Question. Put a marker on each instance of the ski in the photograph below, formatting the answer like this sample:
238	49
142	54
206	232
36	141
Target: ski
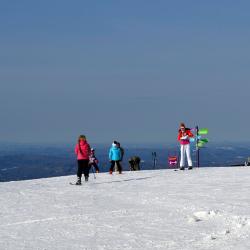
71	183
183	169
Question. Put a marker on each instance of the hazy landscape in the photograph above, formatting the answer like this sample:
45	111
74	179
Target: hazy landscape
30	161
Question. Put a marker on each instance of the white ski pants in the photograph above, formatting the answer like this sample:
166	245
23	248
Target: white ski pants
185	149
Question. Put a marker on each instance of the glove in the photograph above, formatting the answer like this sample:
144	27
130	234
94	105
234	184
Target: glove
184	137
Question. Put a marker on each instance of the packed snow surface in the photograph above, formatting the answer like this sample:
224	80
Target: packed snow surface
206	208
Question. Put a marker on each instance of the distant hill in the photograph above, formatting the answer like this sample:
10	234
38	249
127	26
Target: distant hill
21	162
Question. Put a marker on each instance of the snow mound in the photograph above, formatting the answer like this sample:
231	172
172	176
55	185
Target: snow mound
203	215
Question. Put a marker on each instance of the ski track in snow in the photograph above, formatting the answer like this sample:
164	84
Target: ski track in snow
163	209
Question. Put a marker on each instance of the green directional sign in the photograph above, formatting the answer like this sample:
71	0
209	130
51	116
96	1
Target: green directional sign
203	131
204	140
200	144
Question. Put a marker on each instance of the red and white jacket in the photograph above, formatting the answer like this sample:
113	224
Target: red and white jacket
183	137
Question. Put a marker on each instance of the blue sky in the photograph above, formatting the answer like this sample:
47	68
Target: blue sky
125	70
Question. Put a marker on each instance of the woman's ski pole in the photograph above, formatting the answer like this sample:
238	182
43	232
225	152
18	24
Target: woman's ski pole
93	172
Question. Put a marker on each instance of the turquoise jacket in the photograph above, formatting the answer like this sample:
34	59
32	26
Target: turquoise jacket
115	154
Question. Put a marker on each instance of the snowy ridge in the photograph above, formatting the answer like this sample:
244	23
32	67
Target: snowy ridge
207	208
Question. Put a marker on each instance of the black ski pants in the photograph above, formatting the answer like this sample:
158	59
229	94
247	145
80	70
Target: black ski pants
118	166
83	167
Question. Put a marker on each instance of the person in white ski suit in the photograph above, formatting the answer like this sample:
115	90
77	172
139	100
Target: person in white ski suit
183	137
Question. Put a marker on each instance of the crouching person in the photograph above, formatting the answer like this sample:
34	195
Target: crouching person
134	163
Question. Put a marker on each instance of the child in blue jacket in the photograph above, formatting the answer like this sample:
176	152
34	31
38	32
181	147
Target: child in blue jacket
115	156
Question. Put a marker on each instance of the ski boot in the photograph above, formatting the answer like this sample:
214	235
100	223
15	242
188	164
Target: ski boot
182	168
86	178
78	182
190	167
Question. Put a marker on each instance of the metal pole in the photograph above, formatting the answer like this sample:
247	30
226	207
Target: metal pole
197	148
154	159
93	171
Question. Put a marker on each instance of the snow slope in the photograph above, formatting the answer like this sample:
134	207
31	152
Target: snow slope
207	208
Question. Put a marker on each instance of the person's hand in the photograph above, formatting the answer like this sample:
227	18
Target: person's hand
184	137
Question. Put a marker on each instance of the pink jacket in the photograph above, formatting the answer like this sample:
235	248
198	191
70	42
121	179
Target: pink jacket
186	133
84	153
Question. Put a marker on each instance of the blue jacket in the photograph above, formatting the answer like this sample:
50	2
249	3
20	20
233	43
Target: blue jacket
115	154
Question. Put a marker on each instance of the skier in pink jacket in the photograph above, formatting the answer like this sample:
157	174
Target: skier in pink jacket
82	151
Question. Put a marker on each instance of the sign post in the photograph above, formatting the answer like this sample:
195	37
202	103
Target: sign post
200	142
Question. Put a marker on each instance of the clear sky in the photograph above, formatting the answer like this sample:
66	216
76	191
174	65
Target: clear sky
127	70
